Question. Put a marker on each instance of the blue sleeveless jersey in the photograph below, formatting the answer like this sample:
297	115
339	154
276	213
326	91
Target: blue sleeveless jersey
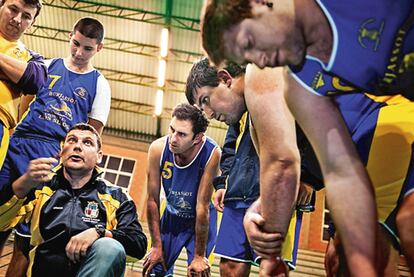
367	38
66	99
181	183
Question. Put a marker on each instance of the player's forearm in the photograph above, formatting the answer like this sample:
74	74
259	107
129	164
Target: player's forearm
153	217
201	230
12	68
278	189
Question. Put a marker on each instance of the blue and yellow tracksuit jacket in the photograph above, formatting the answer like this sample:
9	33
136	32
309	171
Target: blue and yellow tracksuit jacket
57	212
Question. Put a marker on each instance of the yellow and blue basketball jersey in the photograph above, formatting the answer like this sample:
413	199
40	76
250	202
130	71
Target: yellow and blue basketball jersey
65	100
368	37
177	226
382	129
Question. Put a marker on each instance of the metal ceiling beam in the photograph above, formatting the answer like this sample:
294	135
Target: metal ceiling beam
131	47
141	80
145	109
151	17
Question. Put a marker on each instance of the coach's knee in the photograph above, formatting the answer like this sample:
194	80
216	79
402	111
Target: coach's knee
108	248
108	252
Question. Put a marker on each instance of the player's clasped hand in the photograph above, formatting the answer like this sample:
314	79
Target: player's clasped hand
199	267
265	244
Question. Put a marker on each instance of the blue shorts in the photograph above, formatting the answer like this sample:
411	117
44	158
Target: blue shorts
21	151
232	241
177	233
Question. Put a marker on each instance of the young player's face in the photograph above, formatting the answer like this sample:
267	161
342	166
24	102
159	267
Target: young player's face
80	151
82	48
15	18
266	40
181	136
220	103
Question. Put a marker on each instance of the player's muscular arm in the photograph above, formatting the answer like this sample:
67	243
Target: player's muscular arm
275	139
12	68
153	204
345	178
202	209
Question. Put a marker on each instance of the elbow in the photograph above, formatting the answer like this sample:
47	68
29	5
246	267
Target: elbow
139	248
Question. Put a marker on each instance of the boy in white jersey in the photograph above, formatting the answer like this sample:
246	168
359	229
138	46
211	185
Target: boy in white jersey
75	92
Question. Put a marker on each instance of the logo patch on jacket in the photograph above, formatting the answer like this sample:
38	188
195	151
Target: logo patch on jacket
91	212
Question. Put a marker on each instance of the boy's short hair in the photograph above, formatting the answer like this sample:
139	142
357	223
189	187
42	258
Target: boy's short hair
90	27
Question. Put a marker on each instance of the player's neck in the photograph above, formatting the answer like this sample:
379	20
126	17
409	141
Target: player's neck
78	68
188	156
317	31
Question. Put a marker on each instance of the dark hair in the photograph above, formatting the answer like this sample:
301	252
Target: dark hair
91	28
192	113
87	127
35	3
203	74
218	16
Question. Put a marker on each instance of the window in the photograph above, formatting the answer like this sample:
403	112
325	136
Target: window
118	170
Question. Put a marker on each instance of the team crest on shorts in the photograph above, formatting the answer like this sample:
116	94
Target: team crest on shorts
92	210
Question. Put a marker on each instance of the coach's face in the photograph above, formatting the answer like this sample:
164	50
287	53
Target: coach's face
80	151
223	102
15	17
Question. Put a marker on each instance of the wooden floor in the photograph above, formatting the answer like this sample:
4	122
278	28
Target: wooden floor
309	264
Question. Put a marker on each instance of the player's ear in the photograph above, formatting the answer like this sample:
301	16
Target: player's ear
100	46
225	77
100	155
198	138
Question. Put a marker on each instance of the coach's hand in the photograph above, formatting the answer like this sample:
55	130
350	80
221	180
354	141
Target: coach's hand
265	244
199	267
154	257
218	199
78	245
38	171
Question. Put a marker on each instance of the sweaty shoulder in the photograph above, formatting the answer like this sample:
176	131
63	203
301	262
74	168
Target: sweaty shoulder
157	146
263	80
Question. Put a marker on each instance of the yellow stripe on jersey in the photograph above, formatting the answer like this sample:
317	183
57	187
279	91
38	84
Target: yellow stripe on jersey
111	205
8	212
42	196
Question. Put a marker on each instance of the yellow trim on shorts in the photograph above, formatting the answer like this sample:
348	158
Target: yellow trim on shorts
289	243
